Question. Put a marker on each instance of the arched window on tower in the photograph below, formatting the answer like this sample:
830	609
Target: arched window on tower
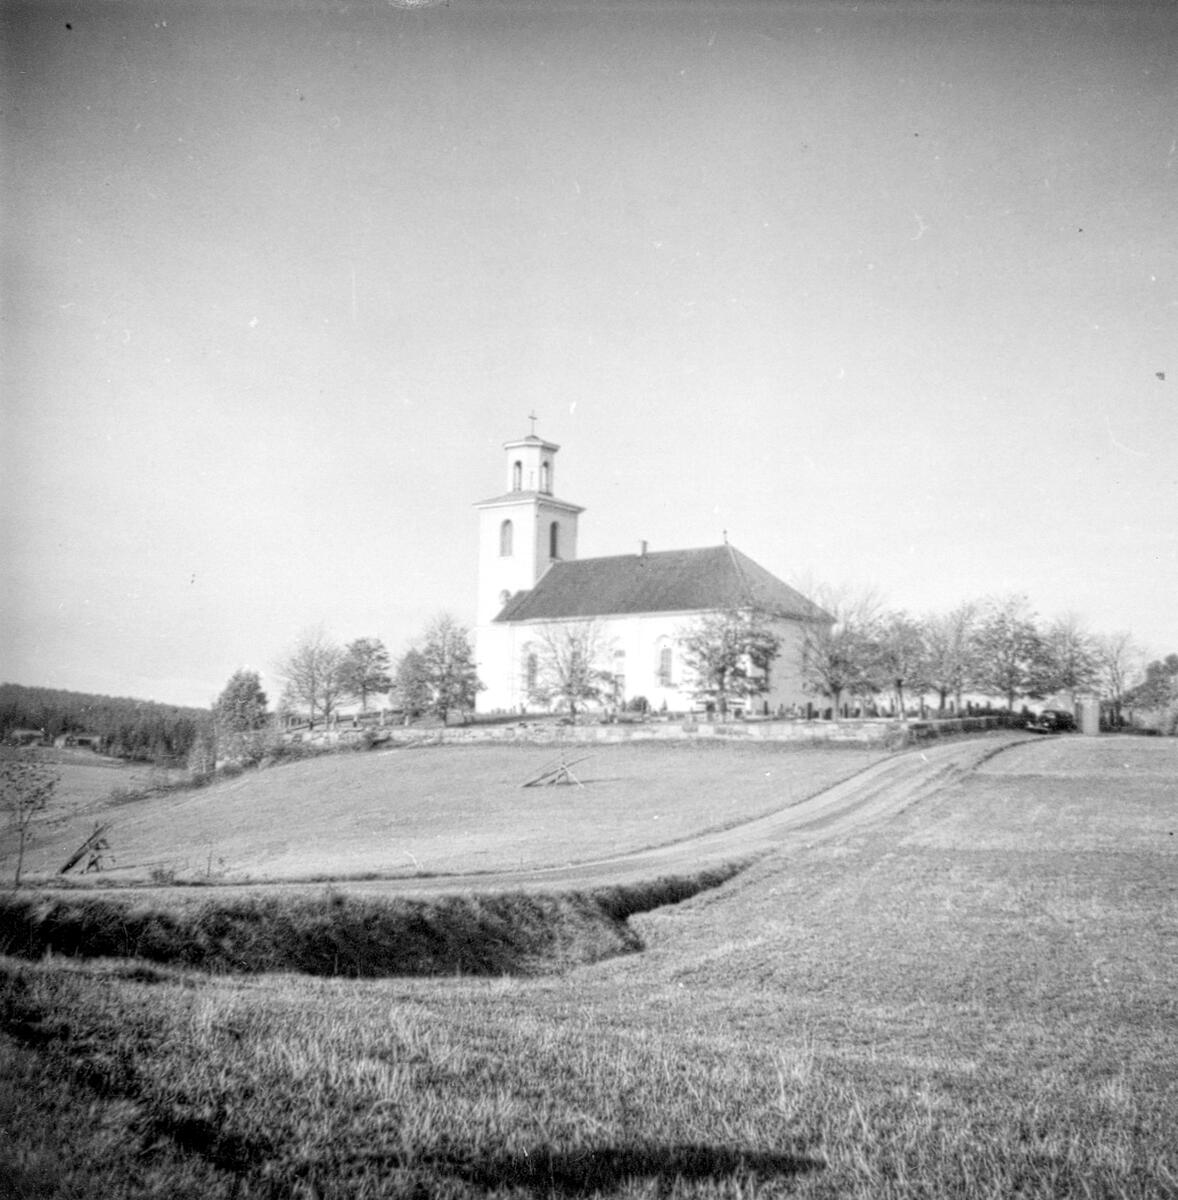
554	540
545	477
505	540
517	476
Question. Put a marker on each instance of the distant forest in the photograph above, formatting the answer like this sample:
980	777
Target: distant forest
134	729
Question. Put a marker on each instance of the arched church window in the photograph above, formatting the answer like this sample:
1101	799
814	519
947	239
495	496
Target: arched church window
517	476
554	540
545	477
531	668
505	540
664	666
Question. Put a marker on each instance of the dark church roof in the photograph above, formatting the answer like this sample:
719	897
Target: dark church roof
668	581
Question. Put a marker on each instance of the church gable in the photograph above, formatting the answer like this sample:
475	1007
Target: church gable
717	577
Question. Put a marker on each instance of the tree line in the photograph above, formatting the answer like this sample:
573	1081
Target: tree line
996	646
869	658
141	730
435	676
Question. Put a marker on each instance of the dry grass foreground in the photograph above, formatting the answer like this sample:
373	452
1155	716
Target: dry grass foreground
974	999
437	810
529	921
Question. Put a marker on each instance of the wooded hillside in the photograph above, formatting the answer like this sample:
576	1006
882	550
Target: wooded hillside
136	729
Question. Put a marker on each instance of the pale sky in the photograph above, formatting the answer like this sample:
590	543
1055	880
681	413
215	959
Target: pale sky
882	290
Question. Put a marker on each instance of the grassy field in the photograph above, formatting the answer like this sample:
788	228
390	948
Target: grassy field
441	809
86	780
976	999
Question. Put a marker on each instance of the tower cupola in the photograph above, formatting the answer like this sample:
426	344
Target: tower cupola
524	530
529	465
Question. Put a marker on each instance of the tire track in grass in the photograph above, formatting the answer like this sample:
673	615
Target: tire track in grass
866	798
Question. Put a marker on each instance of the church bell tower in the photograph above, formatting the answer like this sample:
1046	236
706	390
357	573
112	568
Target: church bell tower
525	529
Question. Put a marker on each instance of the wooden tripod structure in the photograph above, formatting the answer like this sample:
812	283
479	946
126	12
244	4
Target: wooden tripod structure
95	844
558	772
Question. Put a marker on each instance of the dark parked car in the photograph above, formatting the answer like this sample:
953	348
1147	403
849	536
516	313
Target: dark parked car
1052	720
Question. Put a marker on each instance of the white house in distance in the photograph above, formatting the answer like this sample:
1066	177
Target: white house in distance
530	577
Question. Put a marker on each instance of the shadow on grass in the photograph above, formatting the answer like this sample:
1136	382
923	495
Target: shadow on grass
579	1173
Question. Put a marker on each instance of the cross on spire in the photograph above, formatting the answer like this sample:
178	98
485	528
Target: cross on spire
533	418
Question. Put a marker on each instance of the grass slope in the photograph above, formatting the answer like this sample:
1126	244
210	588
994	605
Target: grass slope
336	934
975	1000
443	809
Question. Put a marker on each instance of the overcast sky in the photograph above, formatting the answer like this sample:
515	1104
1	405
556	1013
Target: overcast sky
885	291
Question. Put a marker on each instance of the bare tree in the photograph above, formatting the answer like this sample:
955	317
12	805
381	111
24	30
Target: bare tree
570	665
900	661
313	676
1118	660
950	641
26	786
838	657
729	654
1069	657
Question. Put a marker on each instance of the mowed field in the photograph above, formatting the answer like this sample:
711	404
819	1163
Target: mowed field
974	997
438	810
86	778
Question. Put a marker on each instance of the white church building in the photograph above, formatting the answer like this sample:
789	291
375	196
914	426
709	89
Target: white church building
530	579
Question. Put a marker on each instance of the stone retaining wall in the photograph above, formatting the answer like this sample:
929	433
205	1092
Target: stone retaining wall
867	731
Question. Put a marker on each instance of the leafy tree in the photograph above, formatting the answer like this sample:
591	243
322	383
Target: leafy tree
1069	657
312	674
1010	656
410	684
901	657
949	640
26	786
240	720
838	656
449	668
365	670
729	655
1159	689
241	707
570	670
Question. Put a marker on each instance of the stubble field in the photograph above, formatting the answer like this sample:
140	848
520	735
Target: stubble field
433	810
973	998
